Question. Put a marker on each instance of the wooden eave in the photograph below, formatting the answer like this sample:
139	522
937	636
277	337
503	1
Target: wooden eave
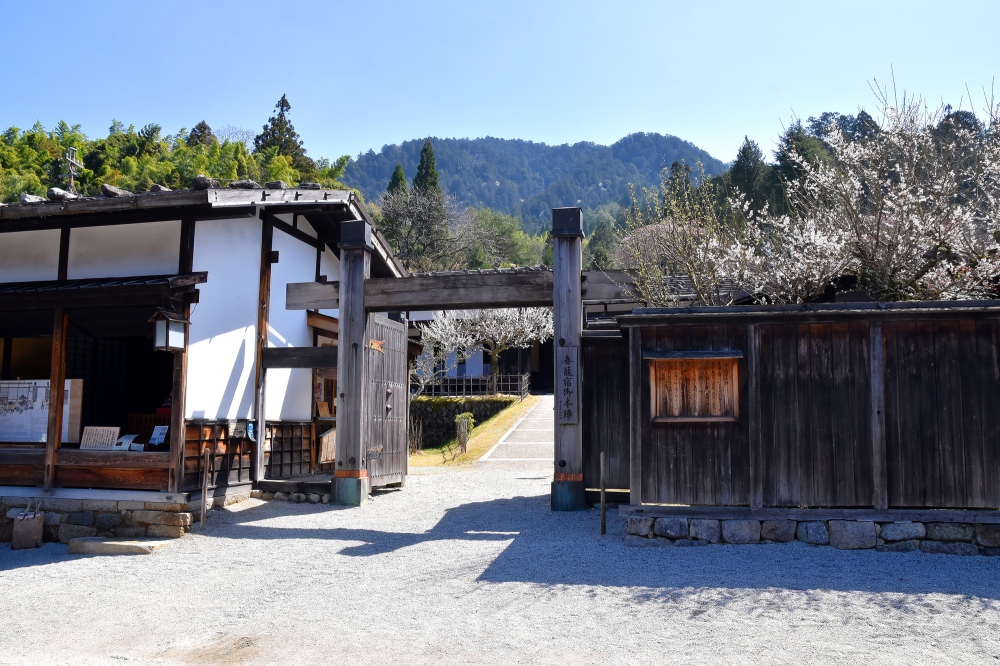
329	326
99	292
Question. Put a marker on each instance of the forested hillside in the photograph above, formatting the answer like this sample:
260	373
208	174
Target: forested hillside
527	179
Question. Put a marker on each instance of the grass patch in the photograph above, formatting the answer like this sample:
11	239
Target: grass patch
482	438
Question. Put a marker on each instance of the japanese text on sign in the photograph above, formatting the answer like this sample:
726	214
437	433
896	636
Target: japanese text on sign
567	385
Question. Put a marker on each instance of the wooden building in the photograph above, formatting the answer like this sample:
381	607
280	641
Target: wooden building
251	380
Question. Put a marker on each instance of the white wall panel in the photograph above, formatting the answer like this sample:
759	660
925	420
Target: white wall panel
222	345
28	256
288	394
150	248
329	265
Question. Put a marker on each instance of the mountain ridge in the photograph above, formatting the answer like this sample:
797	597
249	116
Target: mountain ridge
526	178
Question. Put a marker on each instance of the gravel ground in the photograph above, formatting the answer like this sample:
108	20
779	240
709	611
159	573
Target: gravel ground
470	566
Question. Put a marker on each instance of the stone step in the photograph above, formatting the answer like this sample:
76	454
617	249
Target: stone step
107	546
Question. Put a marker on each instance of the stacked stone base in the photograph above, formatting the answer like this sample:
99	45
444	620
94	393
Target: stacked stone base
897	537
311	498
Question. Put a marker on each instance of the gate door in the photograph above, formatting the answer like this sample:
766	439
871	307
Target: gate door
388	402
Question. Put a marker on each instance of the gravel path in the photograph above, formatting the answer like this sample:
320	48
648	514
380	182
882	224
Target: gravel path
470	566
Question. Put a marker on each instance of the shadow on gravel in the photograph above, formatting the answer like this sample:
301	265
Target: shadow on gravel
553	549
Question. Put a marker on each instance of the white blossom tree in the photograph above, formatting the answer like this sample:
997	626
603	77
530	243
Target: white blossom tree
447	342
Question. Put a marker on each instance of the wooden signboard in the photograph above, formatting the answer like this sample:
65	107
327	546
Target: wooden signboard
98	437
567	385
694	389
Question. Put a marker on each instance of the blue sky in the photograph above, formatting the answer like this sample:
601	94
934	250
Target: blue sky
360	75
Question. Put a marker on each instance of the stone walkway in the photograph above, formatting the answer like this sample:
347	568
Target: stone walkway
529	444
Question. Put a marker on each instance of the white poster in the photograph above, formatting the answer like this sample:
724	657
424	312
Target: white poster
24	410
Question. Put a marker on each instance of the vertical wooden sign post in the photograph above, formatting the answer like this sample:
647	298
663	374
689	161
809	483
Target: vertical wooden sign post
568	493
350	477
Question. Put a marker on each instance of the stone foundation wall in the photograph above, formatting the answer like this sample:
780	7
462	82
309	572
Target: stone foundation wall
437	414
311	498
899	537
67	519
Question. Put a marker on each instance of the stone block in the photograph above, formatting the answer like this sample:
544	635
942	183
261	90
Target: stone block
949	548
704	530
129	532
14	512
168	531
103	546
949	531
686	543
99	505
672	528
107	522
234	498
903	531
777	530
325	499
6	532
283	497
85	518
53	518
69	531
812	531
852	534
161	518
256	494
297	497
313	498
174	507
988	535
63	504
131	505
639	525
990	552
16	501
267	496
899	547
741	531
50	534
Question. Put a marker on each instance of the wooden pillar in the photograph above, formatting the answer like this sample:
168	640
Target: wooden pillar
880	487
350	477
178	430
568	492
753	418
260	376
635	384
57	381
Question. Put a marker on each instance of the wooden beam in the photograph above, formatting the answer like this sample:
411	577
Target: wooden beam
635	381
185	263
329	326
63	269
680	355
312	296
460	291
57	378
880	486
607	286
299	357
113	459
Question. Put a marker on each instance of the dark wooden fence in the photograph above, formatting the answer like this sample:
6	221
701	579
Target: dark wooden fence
507	384
869	406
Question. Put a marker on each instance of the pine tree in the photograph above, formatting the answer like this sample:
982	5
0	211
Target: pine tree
398	181
427	175
279	133
749	174
201	133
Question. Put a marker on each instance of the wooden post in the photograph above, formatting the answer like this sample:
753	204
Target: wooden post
178	431
635	384
350	478
57	385
753	418
568	490
263	303
880	485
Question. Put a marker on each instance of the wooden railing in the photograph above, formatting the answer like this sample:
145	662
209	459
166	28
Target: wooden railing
508	384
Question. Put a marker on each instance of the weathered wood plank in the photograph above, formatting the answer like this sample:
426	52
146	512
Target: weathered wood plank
988	356
312	296
299	357
635	435
753	411
111	459
120	478
880	493
461	291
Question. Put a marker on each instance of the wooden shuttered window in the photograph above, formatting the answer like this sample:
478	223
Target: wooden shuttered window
690	387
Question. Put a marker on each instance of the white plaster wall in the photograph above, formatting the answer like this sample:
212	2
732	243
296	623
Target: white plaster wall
222	343
28	256
121	250
288	391
474	365
329	265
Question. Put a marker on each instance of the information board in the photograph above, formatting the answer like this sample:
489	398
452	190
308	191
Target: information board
24	410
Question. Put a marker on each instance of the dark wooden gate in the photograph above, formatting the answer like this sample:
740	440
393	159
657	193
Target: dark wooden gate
388	402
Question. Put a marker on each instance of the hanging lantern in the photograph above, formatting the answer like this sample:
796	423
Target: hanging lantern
169	328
